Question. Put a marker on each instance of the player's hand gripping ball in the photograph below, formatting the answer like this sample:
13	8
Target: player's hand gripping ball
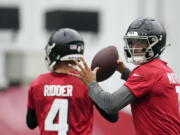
106	60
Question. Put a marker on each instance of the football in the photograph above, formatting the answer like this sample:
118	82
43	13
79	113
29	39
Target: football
106	60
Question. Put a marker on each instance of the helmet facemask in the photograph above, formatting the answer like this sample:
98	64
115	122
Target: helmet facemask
139	49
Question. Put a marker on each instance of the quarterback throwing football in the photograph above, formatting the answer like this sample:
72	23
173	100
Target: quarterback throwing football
150	88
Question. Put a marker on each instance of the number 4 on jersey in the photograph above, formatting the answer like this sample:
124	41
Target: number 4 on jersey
60	107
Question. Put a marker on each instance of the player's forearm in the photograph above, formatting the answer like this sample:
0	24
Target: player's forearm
125	74
31	119
110	117
110	103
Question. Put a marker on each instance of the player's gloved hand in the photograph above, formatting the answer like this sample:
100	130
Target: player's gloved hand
121	66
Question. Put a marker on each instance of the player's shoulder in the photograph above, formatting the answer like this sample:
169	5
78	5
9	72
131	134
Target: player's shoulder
75	80
40	79
150	69
153	65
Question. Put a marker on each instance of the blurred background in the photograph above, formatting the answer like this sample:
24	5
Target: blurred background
25	26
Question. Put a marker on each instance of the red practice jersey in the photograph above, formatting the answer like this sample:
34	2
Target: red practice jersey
62	105
155	110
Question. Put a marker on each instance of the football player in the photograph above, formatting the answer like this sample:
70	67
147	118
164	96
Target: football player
150	88
58	103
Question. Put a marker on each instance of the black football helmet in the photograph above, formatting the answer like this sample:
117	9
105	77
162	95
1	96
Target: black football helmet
64	44
146	31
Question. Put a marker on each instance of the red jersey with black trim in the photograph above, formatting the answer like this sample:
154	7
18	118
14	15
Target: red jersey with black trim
62	105
155	110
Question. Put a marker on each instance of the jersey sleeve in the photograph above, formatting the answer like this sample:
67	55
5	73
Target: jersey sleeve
30	98
140	82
